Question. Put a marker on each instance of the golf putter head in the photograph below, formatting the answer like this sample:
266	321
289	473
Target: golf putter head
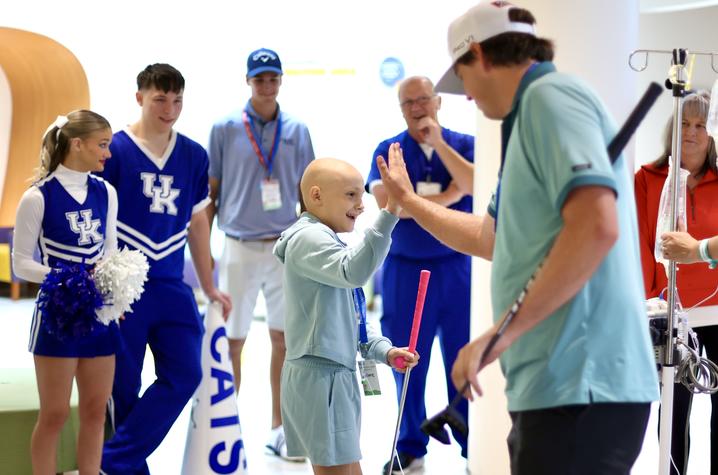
434	427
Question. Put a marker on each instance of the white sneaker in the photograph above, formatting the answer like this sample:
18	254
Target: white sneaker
277	445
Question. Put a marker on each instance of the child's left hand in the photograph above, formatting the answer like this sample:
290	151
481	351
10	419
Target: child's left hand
410	359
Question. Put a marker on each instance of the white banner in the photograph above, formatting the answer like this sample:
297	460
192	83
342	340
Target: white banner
214	438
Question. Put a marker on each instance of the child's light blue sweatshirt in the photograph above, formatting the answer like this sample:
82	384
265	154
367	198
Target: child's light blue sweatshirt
320	273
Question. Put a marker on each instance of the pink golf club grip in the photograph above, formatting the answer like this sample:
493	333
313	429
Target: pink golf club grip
418	310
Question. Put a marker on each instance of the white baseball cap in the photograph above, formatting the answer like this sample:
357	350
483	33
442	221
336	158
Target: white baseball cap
479	23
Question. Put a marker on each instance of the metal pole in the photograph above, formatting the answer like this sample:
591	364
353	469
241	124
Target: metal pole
666	417
398	420
668	369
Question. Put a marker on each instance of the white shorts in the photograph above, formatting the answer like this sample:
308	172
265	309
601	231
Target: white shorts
246	268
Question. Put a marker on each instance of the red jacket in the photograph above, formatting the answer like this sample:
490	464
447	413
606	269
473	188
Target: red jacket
695	281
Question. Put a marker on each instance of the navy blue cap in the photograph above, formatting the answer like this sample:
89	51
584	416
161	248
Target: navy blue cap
263	60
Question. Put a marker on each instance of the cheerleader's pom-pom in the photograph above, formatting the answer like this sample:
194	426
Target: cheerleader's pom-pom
68	300
121	278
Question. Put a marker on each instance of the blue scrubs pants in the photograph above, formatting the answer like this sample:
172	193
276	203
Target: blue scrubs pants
446	315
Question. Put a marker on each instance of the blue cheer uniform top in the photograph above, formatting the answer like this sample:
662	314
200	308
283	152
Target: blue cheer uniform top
158	198
69	217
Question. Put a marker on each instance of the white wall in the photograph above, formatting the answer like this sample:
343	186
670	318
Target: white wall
209	42
693	29
347	114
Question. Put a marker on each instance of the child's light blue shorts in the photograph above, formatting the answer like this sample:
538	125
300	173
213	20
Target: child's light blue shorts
321	411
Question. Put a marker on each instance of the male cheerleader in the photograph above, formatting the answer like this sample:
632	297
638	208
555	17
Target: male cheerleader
162	187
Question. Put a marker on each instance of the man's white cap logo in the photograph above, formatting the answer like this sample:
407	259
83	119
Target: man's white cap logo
479	23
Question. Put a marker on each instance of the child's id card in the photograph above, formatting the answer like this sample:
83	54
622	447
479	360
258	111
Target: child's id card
369	377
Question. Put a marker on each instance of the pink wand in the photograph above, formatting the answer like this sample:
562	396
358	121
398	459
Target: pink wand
418	310
401	363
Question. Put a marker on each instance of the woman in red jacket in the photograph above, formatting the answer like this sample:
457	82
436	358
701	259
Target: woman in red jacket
695	281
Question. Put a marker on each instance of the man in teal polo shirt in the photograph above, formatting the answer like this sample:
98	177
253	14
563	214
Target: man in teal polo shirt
577	356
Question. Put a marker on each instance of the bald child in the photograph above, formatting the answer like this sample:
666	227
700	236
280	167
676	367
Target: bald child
325	316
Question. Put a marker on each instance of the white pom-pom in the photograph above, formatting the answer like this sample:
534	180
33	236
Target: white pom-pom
120	277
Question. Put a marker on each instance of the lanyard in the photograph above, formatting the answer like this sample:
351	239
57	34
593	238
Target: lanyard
427	167
426	163
534	72
360	309
266	161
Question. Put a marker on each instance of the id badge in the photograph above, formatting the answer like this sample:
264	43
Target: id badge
427	188
369	377
271	195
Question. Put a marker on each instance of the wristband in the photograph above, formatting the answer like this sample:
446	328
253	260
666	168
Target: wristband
705	254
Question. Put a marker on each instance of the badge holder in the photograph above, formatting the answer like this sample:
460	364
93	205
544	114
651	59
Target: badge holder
428	188
369	377
367	368
271	194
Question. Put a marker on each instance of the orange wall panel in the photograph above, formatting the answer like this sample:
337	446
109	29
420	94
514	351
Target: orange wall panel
45	80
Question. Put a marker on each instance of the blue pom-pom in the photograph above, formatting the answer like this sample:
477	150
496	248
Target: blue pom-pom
68	300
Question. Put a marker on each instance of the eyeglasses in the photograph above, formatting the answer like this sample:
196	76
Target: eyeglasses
420	101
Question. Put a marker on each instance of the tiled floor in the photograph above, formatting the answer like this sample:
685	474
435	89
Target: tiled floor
378	422
379	414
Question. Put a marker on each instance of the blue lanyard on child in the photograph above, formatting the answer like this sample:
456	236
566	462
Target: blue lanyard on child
360	309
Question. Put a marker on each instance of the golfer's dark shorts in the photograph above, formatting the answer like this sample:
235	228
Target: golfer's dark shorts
593	439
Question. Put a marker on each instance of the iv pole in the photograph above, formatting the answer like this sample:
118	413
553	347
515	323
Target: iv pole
671	357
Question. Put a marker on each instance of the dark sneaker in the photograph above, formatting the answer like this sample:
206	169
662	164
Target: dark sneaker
409	464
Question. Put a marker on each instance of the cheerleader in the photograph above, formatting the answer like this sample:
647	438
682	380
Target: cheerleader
70	216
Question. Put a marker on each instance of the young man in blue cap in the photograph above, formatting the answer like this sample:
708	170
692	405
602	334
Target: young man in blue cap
257	156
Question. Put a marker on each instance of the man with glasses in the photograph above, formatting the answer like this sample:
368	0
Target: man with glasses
256	159
439	163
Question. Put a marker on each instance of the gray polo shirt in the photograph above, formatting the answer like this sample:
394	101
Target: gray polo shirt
233	161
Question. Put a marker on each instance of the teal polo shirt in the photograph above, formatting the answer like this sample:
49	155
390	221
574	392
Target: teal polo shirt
596	347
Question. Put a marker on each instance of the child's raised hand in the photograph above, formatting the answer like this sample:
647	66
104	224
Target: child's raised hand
410	359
